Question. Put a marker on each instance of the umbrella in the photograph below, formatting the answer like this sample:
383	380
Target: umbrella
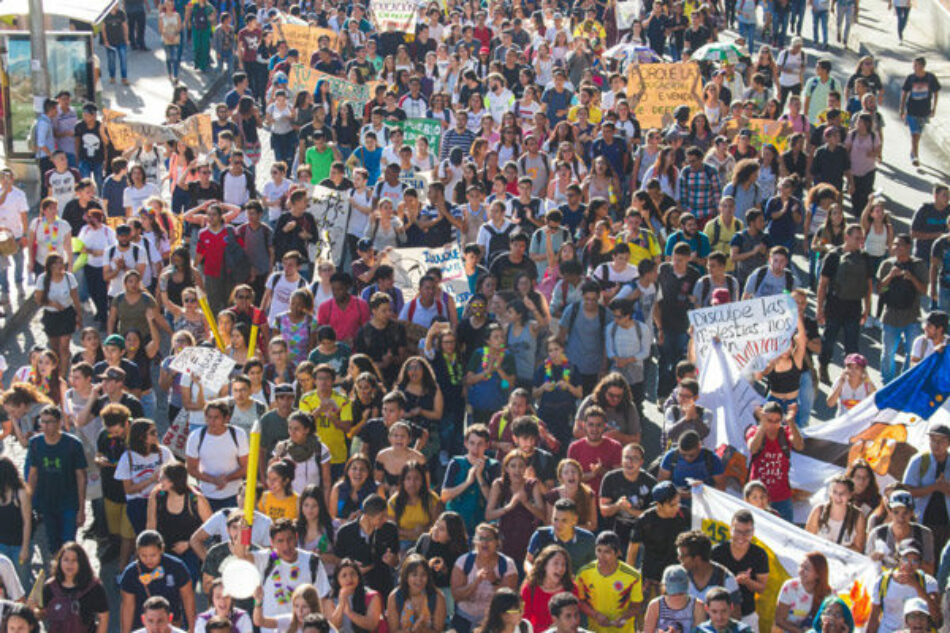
627	52
717	52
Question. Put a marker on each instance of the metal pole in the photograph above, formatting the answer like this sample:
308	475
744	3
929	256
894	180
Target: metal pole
38	62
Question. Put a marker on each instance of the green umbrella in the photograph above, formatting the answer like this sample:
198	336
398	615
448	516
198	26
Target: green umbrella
717	52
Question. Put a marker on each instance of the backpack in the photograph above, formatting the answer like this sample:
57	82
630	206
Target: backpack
760	279
840	288
439	308
499	242
782	442
236	262
572	317
301	283
900	293
470	563
886	581
736	224
706	287
204	431
135	253
708	458
431	599
63	612
784	61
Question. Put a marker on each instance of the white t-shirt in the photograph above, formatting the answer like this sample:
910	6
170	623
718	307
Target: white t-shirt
135	198
798	600
284	577
629	273
171	629
358	220
219	455
274	191
281	288
137	468
892	618
10	580
58	291
217	526
132	256
196	418
153	257
97	240
10	211
921	348
51	237
242	625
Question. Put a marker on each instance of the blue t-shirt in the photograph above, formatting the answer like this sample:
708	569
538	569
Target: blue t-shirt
704	468
370	160
165	580
782	231
56	466
585	340
556	101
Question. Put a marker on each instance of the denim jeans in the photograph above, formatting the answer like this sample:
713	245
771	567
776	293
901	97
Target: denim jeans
779	24
819	19
852	333
785	509
60	527
173	59
90	169
137	511
136	28
903	13
226	59
149	404
122	50
943	300
98	290
18	275
284	146
672	351
796	15
845	18
222	504
892	338
747	30
806	399
23	572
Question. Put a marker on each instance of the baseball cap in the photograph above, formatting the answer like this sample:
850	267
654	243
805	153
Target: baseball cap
283	389
115	339
663	491
916	605
939	428
675	579
908	546
720	296
364	245
856	359
123	229
939	318
900	498
113	373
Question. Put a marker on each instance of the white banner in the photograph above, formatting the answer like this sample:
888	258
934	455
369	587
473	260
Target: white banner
398	14
412	263
731	399
331	211
209	365
419	181
752	332
627	12
786	545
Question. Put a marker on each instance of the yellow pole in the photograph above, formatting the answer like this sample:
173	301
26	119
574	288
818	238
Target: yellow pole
209	317
250	487
252	344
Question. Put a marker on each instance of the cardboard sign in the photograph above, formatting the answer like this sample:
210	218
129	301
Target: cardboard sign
206	364
752	332
396	15
306	39
305	78
627	12
658	88
195	131
429	128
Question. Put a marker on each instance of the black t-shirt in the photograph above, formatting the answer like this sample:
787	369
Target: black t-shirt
755	560
920	91
374	342
674	296
89	142
350	543
830	165
471	338
307	131
506	270
74	214
375	436
91	604
112	449
127	399
133	378
928	219
521	210
615	486
199	194
936	511
658	539
114	26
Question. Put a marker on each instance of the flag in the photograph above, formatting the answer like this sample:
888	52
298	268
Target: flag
850	574
886	429
732	401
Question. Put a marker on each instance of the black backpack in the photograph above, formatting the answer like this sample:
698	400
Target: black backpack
499	242
760	279
204	432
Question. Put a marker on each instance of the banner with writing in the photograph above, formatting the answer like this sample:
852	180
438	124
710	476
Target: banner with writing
396	15
306	39
752	332
658	88
124	133
331	210
305	78
419	181
764	131
627	12
411	264
207	364
429	128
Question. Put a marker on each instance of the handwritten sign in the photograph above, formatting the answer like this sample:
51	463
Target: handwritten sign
331	211
752	332
121	135
207	364
429	128
419	181
124	133
659	88
627	12
396	15
305	78
764	131
411	264
306	39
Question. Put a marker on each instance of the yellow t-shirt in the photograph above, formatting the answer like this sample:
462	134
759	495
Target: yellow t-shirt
726	234
414	515
329	434
611	595
643	246
275	508
594	114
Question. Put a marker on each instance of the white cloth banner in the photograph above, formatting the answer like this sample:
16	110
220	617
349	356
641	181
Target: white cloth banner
627	12
752	332
731	399
331	210
398	14
209	365
412	263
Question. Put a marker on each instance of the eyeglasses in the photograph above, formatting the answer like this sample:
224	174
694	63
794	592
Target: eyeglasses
153	432
190	300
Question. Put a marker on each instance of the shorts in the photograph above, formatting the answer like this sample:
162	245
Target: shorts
59	323
117	520
916	123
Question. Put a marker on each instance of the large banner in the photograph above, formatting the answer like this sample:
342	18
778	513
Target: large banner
627	12
658	88
412	263
124	133
850	574
752	332
209	365
398	14
306	39
331	210
303	77
429	128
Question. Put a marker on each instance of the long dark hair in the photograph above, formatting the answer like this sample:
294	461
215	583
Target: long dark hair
458	536
177	475
84	576
613	379
11	482
428	376
503	601
402	497
55	392
138	437
51	260
851	513
185	255
538	571
413	562
870	495
313	491
359	594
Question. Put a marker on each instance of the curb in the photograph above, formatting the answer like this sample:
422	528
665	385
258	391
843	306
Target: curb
21	316
212	90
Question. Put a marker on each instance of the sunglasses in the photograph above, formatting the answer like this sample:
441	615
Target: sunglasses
242	296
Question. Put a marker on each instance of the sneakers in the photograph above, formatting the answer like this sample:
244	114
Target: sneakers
914	160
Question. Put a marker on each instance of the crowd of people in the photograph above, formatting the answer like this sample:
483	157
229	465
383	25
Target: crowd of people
481	461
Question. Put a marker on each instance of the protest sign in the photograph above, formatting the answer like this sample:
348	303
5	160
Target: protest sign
206	364
411	264
659	88
303	77
764	131
429	128
850	574
331	211
306	39
397	15
124	133
752	332
121	135
419	181
627	12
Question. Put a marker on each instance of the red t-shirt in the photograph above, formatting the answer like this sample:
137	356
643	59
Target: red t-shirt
608	452
536	609
344	322
211	249
771	465
251	41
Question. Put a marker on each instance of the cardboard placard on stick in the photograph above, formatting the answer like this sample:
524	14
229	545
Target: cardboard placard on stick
659	88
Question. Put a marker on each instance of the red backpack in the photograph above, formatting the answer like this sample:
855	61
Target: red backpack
63	614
